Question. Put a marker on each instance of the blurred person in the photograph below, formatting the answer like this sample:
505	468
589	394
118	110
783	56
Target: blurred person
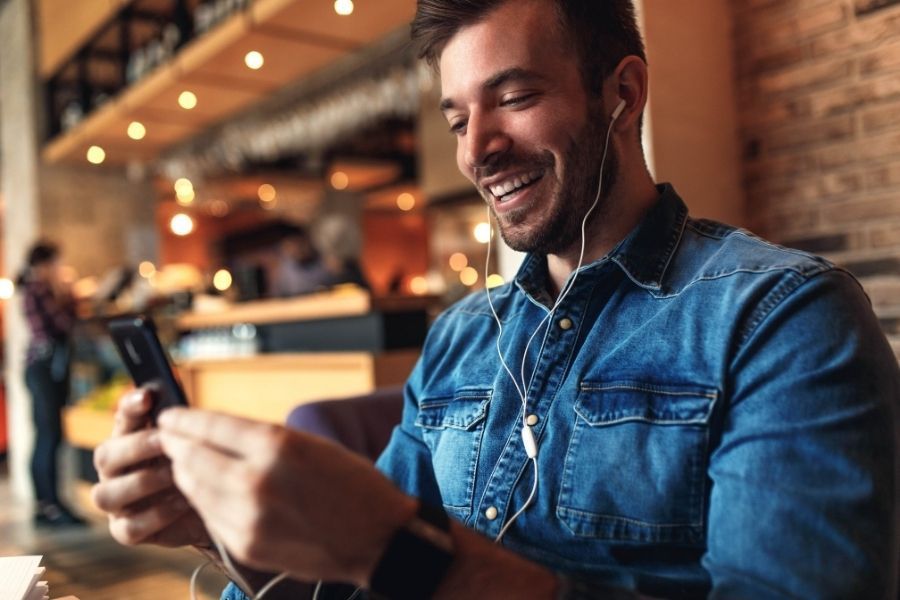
701	413
50	314
338	238
300	268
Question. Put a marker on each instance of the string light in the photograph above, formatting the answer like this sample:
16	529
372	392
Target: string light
343	7
181	225
187	100
482	233
254	60
96	155
222	280
458	261
406	201
136	130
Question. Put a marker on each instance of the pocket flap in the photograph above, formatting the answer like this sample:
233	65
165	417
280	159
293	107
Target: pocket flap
463	411
619	401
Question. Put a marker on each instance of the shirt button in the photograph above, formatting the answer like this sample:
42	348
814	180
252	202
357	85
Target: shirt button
532	420
565	324
491	513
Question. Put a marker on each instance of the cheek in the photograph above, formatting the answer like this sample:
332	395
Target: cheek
461	162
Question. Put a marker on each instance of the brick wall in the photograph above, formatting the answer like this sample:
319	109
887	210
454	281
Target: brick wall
819	99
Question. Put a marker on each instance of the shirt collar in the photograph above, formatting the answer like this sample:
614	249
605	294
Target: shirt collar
644	255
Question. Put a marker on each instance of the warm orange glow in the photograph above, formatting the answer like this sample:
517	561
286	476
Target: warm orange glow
458	261
266	192
340	180
147	269
468	276
418	286
406	201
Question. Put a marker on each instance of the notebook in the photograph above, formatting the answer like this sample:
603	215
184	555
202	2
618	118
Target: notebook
20	578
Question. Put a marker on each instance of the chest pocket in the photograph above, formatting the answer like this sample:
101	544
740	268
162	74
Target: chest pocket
452	428
635	468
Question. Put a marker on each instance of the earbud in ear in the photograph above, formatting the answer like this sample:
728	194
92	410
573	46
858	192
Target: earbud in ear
619	109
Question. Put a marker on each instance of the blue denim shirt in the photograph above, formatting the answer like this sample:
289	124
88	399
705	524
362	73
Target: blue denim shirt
717	417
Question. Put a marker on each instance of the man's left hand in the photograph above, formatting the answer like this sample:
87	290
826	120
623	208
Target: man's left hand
280	500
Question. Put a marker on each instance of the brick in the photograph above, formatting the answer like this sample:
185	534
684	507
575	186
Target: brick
890	325
863	209
884	237
865	151
826	103
864	7
885	57
819	244
776	167
879	119
824	18
774	60
812	133
806	76
882	177
809	190
883	291
873	267
857	36
780	110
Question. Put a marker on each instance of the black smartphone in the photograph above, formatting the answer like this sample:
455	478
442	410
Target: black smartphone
140	349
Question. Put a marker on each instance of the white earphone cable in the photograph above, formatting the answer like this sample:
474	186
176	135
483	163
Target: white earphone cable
526	386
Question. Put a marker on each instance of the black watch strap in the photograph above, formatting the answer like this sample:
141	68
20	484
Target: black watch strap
416	558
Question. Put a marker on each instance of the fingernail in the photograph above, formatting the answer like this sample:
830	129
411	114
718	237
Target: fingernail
135	399
153	440
164	419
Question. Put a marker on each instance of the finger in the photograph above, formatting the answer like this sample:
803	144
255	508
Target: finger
132	412
118	454
116	494
236	435
186	529
203	473
141	526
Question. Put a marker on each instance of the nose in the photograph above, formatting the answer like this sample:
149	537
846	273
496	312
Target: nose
484	141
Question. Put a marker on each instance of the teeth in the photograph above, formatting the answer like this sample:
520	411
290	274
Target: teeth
502	189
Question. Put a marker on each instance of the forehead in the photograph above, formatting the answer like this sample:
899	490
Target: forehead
523	34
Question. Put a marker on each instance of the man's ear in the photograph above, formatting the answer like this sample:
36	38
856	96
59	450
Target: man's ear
629	84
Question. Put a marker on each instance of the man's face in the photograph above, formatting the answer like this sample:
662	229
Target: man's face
528	136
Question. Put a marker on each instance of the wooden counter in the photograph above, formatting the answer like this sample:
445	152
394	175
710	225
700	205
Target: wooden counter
325	305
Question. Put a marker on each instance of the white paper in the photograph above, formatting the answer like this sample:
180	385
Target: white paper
19	578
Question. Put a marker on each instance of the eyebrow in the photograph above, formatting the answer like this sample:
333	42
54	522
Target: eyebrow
497	80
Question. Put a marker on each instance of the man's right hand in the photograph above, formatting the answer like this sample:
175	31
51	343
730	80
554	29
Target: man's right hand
136	488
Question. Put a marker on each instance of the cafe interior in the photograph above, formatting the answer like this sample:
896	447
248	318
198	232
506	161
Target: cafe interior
174	149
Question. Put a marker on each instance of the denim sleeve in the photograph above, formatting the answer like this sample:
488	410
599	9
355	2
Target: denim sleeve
804	489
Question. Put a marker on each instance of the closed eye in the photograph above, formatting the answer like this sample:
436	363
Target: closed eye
458	127
517	100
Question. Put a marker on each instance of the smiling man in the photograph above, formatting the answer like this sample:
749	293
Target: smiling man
657	405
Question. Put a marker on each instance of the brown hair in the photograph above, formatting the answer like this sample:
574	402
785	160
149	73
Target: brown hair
602	32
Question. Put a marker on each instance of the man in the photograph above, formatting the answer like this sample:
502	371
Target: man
700	413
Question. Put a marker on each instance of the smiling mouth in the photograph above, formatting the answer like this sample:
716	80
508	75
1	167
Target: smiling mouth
505	191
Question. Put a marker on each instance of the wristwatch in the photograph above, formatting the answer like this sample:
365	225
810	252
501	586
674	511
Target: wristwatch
416	558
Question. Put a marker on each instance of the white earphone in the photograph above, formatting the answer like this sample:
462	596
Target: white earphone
529	442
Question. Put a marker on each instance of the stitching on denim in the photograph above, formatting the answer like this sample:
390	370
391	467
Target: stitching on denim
589	387
597	517
785	288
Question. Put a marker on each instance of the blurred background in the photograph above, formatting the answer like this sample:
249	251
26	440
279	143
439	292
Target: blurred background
273	182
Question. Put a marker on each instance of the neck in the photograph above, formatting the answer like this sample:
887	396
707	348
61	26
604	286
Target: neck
622	210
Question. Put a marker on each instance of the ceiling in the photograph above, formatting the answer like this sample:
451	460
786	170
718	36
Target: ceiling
296	38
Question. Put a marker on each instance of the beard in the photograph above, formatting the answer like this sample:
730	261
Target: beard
570	201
